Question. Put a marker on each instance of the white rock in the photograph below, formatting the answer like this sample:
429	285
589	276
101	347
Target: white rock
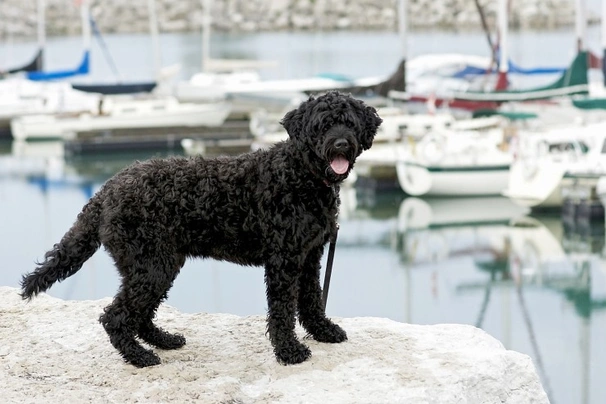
56	351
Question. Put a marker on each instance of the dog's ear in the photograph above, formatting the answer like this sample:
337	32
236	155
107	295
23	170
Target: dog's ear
293	120
370	123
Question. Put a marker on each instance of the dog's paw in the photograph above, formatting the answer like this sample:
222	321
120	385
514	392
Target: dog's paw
172	341
329	332
162	339
143	358
292	354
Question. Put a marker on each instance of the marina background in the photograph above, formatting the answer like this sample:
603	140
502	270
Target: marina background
424	275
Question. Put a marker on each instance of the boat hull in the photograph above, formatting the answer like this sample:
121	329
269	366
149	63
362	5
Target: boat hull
43	127
117	88
419	180
555	198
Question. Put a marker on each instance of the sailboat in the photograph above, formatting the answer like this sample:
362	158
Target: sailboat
433	79
39	91
83	69
36	63
482	87
123	87
573	81
596	99
239	79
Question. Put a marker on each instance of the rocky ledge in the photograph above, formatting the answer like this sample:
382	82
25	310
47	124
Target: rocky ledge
56	351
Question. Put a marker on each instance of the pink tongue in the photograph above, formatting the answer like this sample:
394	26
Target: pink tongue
339	165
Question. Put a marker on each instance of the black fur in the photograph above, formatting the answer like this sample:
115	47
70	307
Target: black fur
274	208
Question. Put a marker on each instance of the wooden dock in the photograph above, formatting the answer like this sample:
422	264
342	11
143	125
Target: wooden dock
233	134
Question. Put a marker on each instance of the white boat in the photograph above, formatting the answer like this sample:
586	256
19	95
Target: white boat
481	168
217	75
442	75
235	78
204	86
425	74
231	78
20	97
394	145
548	162
121	113
379	162
466	158
40	92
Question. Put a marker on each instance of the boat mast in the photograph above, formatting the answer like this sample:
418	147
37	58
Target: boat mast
41	30
603	22
86	24
486	30
402	30
155	36
581	24
206	22
503	29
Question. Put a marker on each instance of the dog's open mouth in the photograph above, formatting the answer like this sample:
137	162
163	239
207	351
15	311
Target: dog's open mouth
339	165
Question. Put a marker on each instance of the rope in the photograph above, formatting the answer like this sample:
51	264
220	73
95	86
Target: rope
104	48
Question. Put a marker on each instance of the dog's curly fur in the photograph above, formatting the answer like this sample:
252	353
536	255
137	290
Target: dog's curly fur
274	208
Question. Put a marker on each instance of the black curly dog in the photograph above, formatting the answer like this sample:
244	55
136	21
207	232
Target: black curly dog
274	208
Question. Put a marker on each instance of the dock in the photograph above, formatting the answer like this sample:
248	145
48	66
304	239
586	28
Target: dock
231	135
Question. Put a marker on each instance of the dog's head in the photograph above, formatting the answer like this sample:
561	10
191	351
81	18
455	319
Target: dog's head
336	128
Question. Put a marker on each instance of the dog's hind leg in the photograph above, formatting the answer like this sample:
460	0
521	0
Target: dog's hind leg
121	323
144	284
312	314
153	334
281	280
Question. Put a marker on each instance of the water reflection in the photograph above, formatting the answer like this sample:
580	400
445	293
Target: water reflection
515	261
535	283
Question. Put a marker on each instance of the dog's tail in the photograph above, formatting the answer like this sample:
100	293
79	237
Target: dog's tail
66	258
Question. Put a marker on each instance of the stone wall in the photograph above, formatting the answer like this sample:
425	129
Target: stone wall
18	17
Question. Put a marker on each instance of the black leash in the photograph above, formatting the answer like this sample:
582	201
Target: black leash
331	256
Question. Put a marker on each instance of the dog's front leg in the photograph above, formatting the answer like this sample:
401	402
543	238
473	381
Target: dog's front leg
312	313
281	280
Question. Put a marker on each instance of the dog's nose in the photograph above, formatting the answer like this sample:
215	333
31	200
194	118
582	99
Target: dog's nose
341	144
